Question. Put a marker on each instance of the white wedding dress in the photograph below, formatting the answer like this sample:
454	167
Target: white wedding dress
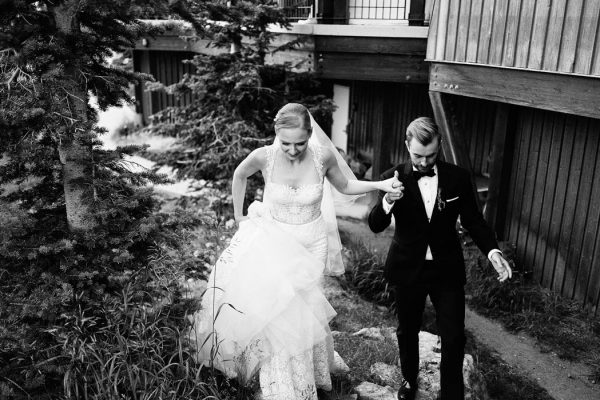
264	309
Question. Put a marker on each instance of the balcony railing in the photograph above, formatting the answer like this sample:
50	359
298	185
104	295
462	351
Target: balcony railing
411	12
297	10
378	9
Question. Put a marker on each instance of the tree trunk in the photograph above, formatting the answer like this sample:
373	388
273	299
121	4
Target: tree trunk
75	157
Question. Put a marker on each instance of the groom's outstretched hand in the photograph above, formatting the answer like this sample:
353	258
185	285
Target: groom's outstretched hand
397	193
501	266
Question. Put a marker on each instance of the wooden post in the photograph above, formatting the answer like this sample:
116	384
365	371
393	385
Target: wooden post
453	146
499	169
380	150
146	96
416	15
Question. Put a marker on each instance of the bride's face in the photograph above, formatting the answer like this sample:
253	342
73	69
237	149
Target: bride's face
293	142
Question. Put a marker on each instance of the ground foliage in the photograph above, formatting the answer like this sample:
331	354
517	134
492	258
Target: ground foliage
560	325
80	307
236	93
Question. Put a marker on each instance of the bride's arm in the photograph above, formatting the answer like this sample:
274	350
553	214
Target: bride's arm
354	186
249	166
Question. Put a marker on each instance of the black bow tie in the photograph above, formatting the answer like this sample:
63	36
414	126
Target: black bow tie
418	174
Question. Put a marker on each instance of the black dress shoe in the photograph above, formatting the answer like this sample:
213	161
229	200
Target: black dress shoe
407	391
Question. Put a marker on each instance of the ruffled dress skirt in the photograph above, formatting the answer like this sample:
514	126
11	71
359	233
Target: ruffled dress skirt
264	310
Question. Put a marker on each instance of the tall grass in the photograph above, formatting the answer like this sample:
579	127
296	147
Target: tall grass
364	273
131	350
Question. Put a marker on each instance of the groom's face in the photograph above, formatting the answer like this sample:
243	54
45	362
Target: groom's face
423	157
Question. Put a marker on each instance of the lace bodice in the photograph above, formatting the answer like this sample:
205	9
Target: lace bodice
294	205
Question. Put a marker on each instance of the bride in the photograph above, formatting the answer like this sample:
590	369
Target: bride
264	310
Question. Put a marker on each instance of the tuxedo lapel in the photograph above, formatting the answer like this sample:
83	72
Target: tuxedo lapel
413	187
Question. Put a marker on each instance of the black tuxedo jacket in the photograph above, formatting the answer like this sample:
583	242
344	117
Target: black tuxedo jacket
414	231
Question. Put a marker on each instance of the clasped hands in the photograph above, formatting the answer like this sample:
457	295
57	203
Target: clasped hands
394	189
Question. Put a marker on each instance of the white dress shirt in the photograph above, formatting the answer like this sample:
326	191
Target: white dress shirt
428	186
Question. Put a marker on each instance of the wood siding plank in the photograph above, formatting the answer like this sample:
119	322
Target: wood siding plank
499	151
588	37
512	32
582	209
432	34
555	233
462	36
553	137
474	30
534	252
554	35
526	23
442	32
452	30
525	180
520	163
498	32
539	34
511	210
588	284
485	37
570	187
570	37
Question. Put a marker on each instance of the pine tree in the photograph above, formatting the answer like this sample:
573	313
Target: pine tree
77	227
235	93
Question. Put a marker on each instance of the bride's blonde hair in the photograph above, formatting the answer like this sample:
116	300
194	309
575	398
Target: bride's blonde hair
293	115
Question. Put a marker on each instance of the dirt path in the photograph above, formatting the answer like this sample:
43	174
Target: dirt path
562	379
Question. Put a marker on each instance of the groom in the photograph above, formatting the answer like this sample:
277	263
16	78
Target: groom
425	256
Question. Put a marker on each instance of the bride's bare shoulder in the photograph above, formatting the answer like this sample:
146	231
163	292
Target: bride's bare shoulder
258	157
327	156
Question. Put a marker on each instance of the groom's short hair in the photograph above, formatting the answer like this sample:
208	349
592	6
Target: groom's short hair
424	130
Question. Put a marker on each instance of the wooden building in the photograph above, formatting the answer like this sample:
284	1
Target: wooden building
531	71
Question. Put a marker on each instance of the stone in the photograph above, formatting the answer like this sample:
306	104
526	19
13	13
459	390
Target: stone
429	370
372	391
385	374
339	365
370	333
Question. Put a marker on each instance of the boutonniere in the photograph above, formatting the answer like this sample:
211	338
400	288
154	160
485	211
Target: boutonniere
441	204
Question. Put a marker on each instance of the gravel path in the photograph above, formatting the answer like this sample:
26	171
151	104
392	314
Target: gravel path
562	379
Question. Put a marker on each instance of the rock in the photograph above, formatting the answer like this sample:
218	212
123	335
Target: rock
370	333
339	365
429	370
386	374
371	391
474	383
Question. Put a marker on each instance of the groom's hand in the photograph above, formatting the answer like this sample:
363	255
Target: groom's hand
501	266
397	193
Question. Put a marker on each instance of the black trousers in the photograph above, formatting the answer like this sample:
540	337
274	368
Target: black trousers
449	304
